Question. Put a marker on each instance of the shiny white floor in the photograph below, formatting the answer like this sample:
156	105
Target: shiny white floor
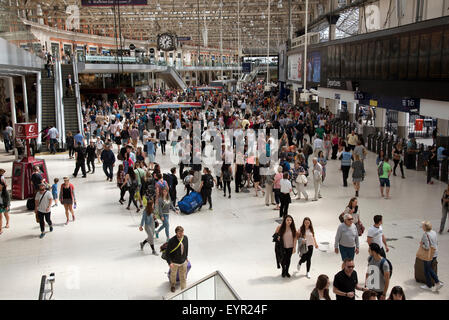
98	256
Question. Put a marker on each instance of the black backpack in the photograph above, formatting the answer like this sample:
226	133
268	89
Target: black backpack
167	177
382	265
209	182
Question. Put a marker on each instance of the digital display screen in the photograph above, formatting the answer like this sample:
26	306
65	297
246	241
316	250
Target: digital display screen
295	66
314	67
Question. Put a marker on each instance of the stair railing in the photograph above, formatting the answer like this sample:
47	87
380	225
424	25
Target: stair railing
59	104
79	113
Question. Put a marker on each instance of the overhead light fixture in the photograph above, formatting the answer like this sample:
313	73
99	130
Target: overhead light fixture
263	15
158	7
280	4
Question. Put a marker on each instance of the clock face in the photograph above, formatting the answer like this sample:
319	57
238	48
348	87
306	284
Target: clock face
165	42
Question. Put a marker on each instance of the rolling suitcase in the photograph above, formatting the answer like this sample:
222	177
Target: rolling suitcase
189	266
190	203
419	270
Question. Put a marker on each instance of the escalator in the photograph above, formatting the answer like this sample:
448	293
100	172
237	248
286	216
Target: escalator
70	103
48	102
172	78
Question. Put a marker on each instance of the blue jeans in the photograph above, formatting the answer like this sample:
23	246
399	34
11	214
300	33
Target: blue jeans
346	252
52	145
429	273
165	225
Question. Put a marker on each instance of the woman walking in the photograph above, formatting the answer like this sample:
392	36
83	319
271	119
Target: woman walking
429	243
257	178
322	160
353	209
334	146
226	176
131	183
398	159
301	181
120	180
148	222
357	173
164	206
277	187
286	233
306	235
5	202
321	291
327	146
286	188
67	198
346	157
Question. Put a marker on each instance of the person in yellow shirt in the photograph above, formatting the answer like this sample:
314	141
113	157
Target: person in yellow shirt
352	140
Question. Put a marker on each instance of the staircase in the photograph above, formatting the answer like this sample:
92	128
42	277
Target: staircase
172	78
48	101
70	108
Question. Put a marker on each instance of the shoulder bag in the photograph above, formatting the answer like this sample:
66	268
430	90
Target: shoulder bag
302	247
426	254
37	215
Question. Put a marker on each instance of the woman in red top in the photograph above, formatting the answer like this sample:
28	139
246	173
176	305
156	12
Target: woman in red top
67	198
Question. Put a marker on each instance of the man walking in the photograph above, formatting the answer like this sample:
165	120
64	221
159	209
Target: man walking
91	155
376	235
108	159
177	252
43	200
80	161
378	273
384	172
53	134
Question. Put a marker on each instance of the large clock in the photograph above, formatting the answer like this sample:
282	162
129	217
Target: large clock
166	42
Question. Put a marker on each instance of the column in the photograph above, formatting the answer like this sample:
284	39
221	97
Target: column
104	83
381	116
352	106
38	108
294	95
403	124
322	102
25	99
443	127
132	80
12	101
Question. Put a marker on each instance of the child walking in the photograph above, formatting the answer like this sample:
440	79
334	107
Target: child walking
54	192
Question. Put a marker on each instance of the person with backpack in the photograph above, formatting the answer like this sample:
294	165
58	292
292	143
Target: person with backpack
177	253
188	180
172	183
91	152
379	272
384	171
226	176
207	183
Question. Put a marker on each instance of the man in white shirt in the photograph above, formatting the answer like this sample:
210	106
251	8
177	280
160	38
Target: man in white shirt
43	201
318	145
53	134
100	145
376	235
317	175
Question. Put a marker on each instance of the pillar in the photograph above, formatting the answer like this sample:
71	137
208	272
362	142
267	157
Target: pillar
322	102
12	101
25	99
104	83
38	108
381	117
443	127
132	80
352	109
403	124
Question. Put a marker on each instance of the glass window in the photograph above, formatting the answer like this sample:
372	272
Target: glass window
371	55
394	56
403	57
378	60
385	58
445	56
423	62
364	61
358	59
344	66
413	57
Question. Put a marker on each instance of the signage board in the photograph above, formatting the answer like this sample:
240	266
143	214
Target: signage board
184	38
167	105
97	3
295	67
246	67
109	59
26	130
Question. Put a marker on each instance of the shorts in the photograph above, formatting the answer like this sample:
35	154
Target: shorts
384	182
118	140
249	168
151	158
67	201
2	210
346	252
55	196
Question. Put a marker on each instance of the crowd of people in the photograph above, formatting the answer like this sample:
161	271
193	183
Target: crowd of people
268	150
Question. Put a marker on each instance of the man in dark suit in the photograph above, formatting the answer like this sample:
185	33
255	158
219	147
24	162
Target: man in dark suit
69	86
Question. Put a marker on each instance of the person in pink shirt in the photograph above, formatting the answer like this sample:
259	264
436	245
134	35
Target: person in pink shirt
277	187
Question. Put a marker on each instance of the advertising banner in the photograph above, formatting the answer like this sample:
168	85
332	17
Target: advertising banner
26	130
167	105
295	66
94	3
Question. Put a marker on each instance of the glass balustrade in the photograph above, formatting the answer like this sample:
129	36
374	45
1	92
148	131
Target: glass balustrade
211	287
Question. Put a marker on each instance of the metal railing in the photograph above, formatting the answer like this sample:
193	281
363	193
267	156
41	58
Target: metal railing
211	287
44	290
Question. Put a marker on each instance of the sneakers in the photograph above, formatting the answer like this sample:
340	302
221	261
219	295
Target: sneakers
425	287
141	245
210	209
42	235
438	286
154	253
229	197
51	228
288	275
308	275
172	289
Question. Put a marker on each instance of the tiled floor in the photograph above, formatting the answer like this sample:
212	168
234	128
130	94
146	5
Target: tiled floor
98	256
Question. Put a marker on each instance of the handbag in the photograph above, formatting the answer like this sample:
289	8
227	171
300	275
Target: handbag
302	247
301	179
426	254
360	228
36	214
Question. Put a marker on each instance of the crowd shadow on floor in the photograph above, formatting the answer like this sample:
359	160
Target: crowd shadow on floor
25	237
157	293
